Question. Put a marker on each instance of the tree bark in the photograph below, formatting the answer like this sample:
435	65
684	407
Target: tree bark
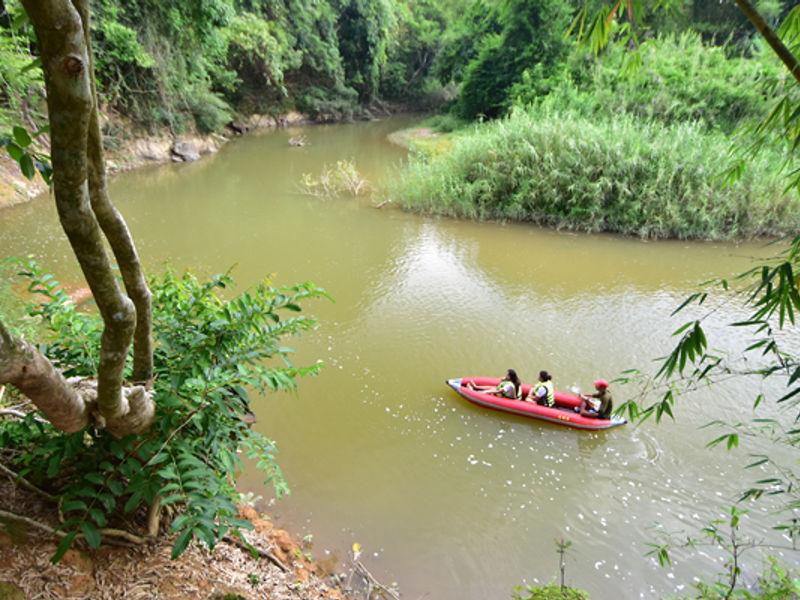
789	59
24	367
70	103
115	228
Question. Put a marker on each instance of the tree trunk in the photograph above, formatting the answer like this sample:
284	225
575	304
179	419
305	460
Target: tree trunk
70	102
116	230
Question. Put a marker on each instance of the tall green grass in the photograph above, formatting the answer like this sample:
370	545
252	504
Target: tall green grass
565	170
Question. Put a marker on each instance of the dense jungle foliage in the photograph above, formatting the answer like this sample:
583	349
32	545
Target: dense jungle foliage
186	65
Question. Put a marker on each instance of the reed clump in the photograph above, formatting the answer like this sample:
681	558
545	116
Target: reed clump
562	169
339	179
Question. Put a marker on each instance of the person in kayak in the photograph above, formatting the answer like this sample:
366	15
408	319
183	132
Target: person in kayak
543	392
509	387
598	405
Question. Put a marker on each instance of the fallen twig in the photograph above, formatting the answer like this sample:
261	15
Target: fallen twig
14	412
108	532
19	479
262	553
372	582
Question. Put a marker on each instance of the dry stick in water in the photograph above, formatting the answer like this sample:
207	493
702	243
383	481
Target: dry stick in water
372	582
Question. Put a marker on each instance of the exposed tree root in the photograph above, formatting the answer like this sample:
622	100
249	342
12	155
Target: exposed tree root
20	480
119	534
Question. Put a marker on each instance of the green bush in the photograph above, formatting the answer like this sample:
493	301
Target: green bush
531	34
153	59
209	349
549	592
412	48
774	583
564	170
260	53
670	80
210	112
445	123
329	105
21	82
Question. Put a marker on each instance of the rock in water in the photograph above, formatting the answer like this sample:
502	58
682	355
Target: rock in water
186	151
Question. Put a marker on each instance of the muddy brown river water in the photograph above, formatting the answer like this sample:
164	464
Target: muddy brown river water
450	500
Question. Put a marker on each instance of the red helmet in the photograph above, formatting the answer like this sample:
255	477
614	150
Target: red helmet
600	384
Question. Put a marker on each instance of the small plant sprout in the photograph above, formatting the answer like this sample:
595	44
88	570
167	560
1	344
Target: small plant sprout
562	546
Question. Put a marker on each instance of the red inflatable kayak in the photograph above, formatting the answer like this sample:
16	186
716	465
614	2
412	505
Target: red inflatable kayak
563	413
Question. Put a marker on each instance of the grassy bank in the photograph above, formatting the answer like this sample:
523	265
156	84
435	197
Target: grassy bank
564	170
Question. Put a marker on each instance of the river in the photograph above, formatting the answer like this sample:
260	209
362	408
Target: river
449	500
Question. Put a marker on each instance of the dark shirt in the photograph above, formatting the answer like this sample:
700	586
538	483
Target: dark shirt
606	404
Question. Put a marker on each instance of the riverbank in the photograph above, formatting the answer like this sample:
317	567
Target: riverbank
129	148
281	568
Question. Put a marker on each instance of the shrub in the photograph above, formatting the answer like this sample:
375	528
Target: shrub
564	170
342	178
670	80
328	105
531	35
445	123
774	583
549	592
260	53
209	349
21	83
210	112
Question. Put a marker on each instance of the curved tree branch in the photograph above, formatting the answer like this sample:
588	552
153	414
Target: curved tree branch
115	229
27	369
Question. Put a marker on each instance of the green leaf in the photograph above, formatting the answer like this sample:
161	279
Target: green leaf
133	502
27	166
22	137
36	63
94	478
791	394
98	516
116	487
63	546
92	535
181	543
72	505
15	151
